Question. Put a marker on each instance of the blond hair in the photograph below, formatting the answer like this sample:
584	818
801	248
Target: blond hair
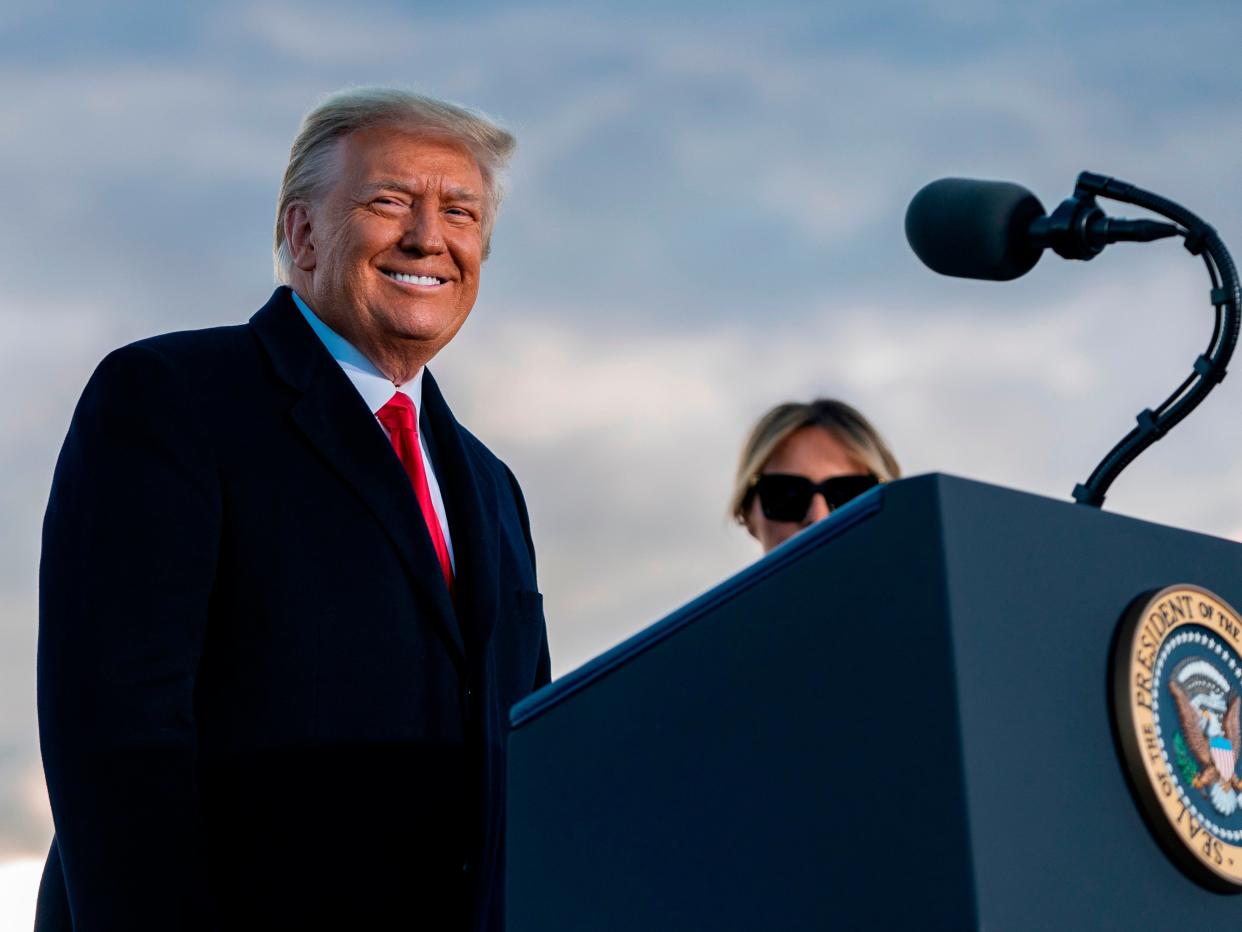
357	108
844	423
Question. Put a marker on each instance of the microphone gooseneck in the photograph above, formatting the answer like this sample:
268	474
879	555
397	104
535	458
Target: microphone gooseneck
997	231
1201	239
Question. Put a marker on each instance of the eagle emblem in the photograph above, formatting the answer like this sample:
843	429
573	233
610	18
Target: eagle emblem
1177	702
1208	711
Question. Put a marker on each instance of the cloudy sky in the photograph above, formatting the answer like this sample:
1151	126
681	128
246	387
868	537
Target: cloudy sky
705	219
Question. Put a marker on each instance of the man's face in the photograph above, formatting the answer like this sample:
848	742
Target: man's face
394	246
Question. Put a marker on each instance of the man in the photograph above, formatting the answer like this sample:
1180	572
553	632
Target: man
286	599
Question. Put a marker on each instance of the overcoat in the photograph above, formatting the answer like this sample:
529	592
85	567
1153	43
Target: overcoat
259	706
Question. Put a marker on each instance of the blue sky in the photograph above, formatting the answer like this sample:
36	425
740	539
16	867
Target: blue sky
704	219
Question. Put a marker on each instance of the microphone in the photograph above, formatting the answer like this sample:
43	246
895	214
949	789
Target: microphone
997	231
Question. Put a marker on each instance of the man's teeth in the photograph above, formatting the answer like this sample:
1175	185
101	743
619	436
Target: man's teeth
414	279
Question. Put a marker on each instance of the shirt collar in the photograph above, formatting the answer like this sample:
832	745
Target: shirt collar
371	384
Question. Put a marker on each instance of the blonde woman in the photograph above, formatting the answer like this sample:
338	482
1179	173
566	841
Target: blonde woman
800	462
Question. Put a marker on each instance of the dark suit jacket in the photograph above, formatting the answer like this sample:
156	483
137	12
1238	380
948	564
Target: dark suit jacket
258	706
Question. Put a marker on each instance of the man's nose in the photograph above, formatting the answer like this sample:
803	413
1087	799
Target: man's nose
817	511
425	232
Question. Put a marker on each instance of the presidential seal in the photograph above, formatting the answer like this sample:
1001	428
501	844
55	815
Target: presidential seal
1177	698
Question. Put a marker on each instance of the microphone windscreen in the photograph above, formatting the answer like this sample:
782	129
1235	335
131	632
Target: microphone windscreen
974	229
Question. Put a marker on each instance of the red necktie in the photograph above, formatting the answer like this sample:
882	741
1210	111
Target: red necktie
401	421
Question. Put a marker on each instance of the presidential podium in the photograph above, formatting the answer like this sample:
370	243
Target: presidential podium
900	719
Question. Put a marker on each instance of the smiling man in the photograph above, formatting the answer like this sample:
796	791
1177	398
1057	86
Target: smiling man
286	599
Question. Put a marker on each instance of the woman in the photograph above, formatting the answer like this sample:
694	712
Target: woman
800	462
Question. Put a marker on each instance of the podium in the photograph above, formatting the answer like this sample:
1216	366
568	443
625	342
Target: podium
901	718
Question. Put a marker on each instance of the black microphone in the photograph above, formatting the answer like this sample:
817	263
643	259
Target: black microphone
997	231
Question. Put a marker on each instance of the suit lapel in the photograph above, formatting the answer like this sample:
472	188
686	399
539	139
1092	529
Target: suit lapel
338	424
470	497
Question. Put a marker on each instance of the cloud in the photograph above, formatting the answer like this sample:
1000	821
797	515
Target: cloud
19	886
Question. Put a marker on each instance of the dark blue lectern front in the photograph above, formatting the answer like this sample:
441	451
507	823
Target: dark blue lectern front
900	719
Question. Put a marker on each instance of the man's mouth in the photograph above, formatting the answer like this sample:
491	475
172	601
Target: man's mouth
414	279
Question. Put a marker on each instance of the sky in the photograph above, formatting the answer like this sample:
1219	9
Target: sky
704	219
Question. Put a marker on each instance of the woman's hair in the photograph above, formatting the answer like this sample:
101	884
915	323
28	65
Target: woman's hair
358	108
844	423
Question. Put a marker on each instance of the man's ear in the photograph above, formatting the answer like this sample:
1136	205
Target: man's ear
299	236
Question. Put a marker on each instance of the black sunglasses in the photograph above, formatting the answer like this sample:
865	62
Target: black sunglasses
786	498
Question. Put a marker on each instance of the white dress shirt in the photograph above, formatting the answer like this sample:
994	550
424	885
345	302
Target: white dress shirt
376	391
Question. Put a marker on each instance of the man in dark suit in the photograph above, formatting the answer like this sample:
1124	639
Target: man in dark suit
286	599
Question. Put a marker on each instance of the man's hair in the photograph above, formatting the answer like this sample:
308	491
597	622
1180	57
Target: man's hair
357	108
841	421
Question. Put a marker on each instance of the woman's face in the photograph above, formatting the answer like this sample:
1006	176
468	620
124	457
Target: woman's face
810	452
